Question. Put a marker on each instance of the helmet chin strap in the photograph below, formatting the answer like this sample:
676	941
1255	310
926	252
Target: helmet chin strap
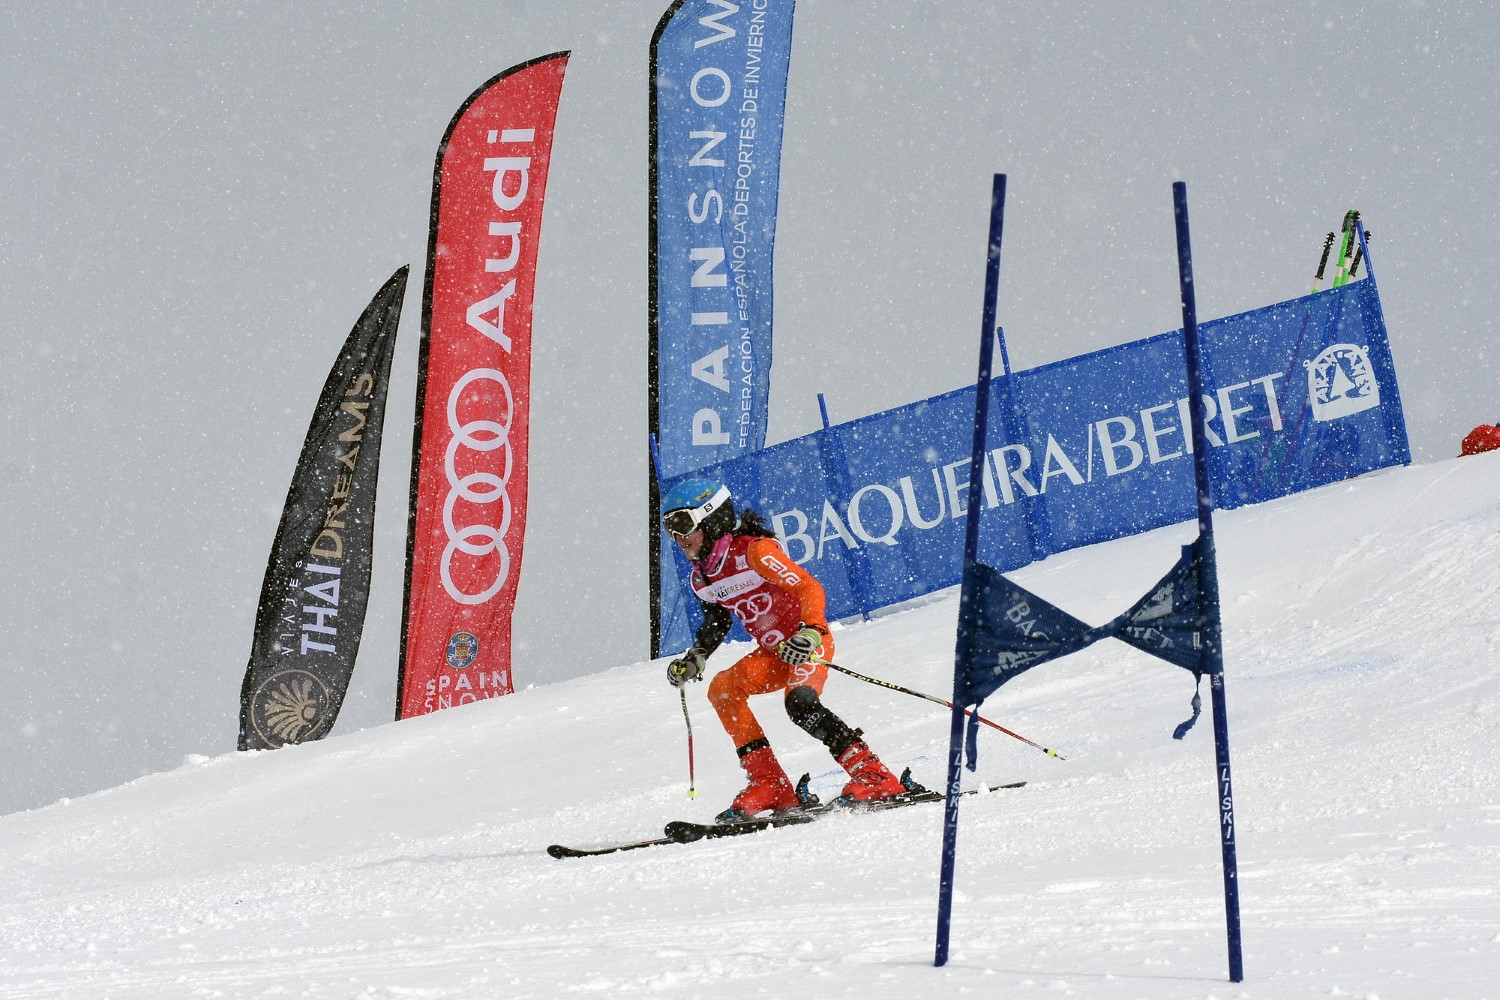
715	557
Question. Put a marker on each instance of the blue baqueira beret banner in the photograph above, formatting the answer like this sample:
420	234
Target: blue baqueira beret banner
1298	395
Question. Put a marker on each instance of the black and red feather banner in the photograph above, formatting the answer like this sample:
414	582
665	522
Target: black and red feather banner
469	466
312	602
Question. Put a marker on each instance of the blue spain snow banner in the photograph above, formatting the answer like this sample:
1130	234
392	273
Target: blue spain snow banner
718	96
1297	395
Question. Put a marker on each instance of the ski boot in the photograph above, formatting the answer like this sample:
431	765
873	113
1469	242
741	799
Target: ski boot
869	779
769	788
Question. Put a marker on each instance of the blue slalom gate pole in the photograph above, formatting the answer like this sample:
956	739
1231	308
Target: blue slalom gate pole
971	555
859	576
1208	581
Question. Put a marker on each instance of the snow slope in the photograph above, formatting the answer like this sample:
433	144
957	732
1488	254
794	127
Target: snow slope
408	860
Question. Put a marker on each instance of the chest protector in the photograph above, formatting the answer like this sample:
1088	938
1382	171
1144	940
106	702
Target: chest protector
768	611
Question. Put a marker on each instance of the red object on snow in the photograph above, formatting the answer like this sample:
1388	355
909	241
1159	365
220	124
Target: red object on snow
1485	437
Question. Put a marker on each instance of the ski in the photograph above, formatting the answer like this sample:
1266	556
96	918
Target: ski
686	832
563	851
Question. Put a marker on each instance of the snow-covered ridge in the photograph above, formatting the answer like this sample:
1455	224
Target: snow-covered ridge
1361	628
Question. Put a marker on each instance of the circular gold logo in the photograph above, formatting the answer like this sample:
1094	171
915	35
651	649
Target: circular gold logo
292	706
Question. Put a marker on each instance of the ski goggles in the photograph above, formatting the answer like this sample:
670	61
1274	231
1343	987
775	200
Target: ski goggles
685	520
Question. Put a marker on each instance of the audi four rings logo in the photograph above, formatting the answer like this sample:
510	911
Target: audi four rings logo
751	608
481	488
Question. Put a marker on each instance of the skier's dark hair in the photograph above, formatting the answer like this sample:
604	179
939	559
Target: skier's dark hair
751	523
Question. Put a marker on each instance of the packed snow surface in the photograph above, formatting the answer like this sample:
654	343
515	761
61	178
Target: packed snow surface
408	860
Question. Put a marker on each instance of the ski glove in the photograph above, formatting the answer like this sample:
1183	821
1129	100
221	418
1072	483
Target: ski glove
801	646
687	667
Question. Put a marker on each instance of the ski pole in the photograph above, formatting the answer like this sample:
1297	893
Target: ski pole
940	701
692	782
1346	247
1359	252
1323	263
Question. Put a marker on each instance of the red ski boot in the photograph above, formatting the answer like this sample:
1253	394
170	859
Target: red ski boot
868	778
769	786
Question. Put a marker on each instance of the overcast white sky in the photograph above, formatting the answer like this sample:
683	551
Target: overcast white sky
198	198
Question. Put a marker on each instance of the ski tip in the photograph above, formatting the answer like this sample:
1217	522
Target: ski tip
563	851
685	833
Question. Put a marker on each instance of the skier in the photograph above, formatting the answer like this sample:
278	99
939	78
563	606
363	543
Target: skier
741	568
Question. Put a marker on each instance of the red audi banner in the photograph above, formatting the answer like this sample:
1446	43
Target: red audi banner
469	476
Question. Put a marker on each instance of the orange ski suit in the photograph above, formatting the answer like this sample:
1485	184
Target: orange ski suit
772	597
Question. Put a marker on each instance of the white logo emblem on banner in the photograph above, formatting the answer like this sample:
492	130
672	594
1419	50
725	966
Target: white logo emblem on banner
1340	381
